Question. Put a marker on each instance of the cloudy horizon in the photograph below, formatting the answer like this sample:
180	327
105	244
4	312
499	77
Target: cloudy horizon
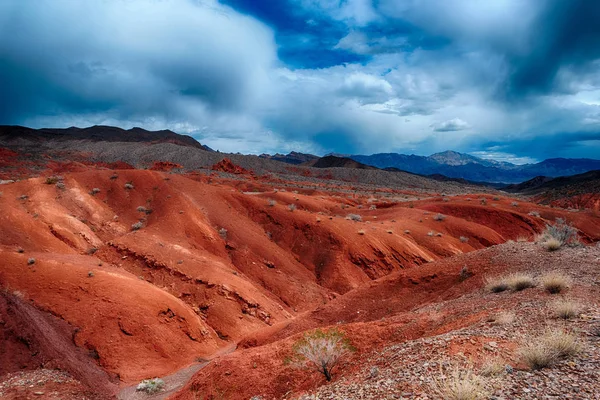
511	80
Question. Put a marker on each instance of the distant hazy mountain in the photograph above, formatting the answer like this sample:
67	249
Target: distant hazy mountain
291	158
336	162
464	166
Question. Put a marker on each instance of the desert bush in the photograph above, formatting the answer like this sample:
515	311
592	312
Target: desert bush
503	318
559	234
520	281
492	367
60	185
271	203
556	282
138	225
223	233
566	309
113	177
534	214
514	204
94	191
52	180
464	239
129	186
430	233
321	351
460	384
373	207
496	284
483	201
354	217
546	350
496	198
291	207
439	217
151	386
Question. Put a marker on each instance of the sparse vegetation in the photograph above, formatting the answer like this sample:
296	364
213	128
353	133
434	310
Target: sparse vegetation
129	186
514	204
271	203
492	367
291	207
534	214
321	351
151	386
546	350
460	384
559	234
52	180
464	239
223	233
556	282
373	207
503	318
60	185
483	201
566	309
430	233
520	281
439	217
138	225
354	217
94	191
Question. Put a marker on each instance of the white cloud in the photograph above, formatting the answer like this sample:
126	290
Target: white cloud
455	124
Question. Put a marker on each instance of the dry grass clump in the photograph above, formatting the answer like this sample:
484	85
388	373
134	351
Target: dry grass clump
464	239
557	235
496	285
566	309
556	282
354	217
520	281
546	350
460	384
439	217
503	318
552	244
492	367
291	207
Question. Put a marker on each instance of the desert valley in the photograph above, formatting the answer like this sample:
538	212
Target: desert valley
143	265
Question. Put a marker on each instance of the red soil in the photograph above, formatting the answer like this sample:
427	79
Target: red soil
226	165
219	261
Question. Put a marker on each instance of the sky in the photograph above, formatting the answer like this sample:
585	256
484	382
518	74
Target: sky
513	80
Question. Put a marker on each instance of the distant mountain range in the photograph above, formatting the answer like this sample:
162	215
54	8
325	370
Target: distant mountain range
456	165
97	133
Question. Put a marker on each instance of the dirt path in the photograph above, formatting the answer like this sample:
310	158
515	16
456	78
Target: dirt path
173	382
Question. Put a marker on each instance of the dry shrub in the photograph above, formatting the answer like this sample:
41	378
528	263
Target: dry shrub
439	217
496	285
520	281
556	282
503	318
464	239
566	309
546	350
460	384
559	234
321	351
492	367
552	244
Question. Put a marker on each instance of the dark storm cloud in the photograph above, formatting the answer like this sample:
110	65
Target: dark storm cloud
512	76
128	58
566	34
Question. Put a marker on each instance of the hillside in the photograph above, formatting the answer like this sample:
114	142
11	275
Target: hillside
577	191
